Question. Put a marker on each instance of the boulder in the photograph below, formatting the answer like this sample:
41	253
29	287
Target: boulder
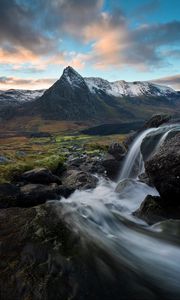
117	150
112	166
40	175
37	256
87	164
163	169
35	194
151	142
9	195
75	179
152	210
156	121
31	194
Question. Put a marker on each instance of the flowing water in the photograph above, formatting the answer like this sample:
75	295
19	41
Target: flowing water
142	261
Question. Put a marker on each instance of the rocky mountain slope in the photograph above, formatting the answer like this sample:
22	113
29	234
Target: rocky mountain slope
75	98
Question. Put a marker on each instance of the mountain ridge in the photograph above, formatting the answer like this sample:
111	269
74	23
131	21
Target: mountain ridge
75	98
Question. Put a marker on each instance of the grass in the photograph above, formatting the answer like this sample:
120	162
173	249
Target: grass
24	153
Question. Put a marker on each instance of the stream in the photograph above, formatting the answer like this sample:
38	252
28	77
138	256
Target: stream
140	261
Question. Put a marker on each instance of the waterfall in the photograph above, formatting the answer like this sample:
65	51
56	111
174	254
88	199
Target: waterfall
133	164
144	259
134	156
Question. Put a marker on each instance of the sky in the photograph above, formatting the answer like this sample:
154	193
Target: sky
117	40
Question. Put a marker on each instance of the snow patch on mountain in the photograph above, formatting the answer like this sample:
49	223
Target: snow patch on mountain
73	77
20	96
132	89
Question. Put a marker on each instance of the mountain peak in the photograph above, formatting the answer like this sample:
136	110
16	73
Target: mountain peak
72	76
69	71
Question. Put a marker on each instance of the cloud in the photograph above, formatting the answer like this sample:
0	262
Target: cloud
21	83
19	27
173	81
116	44
32	34
38	25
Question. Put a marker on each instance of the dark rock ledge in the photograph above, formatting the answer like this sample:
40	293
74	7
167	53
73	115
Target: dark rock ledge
163	171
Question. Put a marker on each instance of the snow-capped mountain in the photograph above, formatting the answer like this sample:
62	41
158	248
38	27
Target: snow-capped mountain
119	88
75	98
130	89
20	96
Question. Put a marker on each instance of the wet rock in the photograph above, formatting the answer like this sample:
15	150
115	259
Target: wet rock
35	194
163	169
156	121
125	185
117	150
9	195
129	139
152	210
143	177
150	143
75	179
93	166
169	229
111	166
87	164
37	255
40	175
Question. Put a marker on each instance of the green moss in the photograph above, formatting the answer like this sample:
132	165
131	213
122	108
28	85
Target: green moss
51	162
9	172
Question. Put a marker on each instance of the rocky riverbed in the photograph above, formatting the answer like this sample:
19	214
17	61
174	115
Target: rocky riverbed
76	234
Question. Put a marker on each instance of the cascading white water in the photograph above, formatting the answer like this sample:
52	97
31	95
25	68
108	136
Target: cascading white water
134	165
133	156
104	217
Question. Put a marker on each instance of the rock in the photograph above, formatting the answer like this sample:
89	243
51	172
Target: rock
143	177
156	121
9	195
43	255
31	194
21	153
112	166
129	139
87	164
4	160
152	210
40	175
169	228
75	179
93	166
35	194
125	185
64	191
117	150
150	143
163	169
38	255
